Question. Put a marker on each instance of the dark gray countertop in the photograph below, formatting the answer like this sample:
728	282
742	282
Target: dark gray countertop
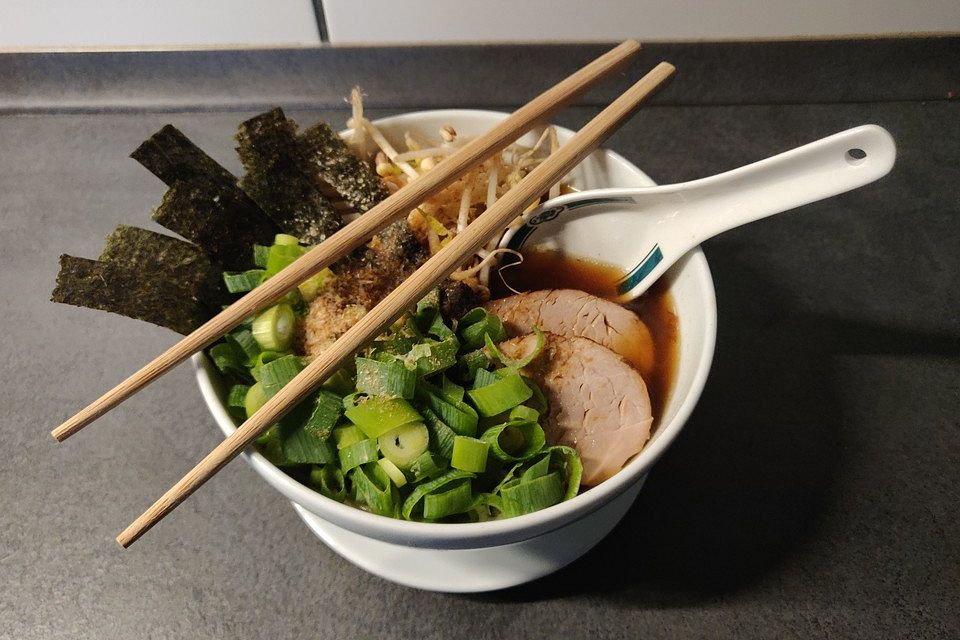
814	492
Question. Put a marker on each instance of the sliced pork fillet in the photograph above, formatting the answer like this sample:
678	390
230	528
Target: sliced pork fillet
598	403
568	312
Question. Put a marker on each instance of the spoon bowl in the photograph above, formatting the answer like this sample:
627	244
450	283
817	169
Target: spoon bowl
668	221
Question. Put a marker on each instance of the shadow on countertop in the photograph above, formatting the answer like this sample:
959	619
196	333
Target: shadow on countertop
749	481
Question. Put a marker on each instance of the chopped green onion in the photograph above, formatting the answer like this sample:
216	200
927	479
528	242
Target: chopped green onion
254	399
410	505
569	461
502	395
273	329
242	281
403	445
275	374
280	257
301	446
527	497
483	378
514	441
446	503
427	465
237	395
286	239
451	391
229	359
312	286
524	414
358	453
376	415
373	487
459	416
470	364
441	436
522	362
385	378
329	480
393	471
244	339
260	255
346	436
469	454
538	469
268	444
340	383
538	401
324	415
478	324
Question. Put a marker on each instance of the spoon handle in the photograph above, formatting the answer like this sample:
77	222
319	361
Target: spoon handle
821	169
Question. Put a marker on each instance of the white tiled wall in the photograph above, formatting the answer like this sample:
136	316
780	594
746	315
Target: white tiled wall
151	23
572	20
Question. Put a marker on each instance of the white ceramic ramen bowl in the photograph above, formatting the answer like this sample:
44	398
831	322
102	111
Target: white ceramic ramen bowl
492	555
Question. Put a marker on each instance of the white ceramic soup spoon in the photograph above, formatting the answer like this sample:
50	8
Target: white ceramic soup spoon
643	231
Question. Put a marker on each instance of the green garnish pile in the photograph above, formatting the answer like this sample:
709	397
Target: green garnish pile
432	423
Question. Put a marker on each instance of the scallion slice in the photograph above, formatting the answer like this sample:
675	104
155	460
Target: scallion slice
358	453
393	471
538	469
477	325
428	465
514	441
260	255
441	436
469	364
312	286
276	373
484	377
377	378
254	399
300	446
273	329
324	415
412	508
229	359
441	504
285	239
527	497
567	459
237	395
329	480
524	414
376	415
346	436
243	338
459	416
242	281
451	391
469	454
522	362
403	445
502	395
373	487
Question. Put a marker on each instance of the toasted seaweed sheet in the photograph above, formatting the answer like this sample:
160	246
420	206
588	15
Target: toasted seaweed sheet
352	178
224	222
279	179
204	203
172	157
166	257
129	291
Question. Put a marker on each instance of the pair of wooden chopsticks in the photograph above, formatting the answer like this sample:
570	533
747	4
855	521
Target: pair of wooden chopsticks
413	289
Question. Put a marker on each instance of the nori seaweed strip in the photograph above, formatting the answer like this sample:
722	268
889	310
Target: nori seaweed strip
204	203
336	164
167	257
172	157
128	291
279	180
224	222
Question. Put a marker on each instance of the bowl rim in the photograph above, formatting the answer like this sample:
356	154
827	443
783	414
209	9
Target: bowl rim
493	532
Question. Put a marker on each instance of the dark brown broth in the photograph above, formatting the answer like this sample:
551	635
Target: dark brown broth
546	269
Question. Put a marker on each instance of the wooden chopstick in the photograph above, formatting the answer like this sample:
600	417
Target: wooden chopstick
431	273
358	231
